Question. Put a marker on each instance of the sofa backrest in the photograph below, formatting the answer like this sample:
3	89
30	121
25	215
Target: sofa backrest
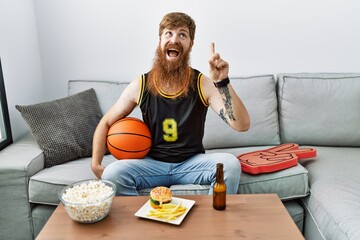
107	92
259	96
257	92
319	108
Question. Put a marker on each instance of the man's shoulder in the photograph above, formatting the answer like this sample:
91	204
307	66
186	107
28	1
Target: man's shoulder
196	71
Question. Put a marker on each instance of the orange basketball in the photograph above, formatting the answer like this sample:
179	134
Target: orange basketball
129	138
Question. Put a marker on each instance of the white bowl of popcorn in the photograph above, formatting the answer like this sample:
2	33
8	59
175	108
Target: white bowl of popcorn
88	201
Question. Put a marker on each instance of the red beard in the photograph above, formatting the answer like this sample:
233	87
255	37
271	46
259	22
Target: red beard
173	73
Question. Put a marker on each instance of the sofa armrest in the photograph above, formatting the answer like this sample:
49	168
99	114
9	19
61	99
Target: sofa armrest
18	162
23	155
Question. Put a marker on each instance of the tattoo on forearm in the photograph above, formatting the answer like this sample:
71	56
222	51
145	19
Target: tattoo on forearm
222	115
225	95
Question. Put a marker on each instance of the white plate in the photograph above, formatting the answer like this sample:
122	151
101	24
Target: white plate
145	210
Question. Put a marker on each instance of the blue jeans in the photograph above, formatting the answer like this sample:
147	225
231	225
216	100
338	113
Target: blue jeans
131	175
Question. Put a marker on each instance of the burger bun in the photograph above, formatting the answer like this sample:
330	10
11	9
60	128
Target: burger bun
160	195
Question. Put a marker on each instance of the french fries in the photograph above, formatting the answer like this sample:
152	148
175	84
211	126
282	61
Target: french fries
168	211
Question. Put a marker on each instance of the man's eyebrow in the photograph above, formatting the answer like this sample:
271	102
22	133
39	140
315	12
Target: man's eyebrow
184	30
180	29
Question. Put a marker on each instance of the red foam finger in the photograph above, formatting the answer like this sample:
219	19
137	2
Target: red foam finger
274	159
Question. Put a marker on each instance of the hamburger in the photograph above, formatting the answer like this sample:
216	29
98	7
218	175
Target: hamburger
160	195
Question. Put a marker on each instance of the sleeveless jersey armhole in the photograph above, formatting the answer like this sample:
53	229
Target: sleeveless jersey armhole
200	90
141	89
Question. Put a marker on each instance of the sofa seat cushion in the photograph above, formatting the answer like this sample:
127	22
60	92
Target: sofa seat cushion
290	183
335	192
186	189
296	212
45	185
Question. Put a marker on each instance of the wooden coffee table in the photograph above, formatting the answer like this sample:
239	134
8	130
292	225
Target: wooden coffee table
248	216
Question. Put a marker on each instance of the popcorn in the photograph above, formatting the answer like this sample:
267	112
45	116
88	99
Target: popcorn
88	201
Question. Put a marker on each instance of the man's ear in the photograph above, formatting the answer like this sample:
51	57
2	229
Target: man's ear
191	44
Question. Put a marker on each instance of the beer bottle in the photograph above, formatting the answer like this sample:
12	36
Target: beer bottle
219	193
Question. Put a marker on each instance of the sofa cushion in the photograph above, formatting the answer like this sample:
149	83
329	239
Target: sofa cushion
45	185
319	109
296	212
333	203
290	183
107	92
257	92
64	127
259	96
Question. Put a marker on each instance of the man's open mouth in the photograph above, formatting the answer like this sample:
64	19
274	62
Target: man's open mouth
172	52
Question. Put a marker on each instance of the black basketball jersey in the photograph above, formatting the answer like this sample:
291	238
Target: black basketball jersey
176	123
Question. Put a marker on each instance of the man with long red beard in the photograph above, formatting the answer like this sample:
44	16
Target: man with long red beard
174	98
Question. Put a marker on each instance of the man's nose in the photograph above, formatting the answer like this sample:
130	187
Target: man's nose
174	38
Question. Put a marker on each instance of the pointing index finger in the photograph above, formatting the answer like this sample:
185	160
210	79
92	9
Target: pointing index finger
212	49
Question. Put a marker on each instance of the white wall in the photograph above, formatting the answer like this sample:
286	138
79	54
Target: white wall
20	58
116	40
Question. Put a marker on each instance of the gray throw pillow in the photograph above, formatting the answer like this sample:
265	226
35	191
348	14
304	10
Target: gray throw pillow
64	127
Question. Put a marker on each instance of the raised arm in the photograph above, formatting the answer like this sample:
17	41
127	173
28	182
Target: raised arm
223	99
123	107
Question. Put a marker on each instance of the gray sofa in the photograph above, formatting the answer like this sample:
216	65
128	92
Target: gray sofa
318	110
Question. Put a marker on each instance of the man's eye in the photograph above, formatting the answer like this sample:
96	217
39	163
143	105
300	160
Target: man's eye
183	35
168	34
